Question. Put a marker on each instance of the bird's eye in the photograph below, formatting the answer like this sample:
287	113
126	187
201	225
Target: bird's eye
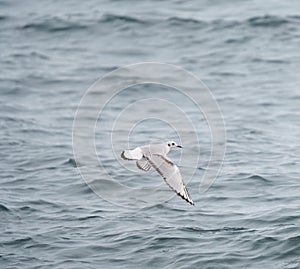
169	145
173	144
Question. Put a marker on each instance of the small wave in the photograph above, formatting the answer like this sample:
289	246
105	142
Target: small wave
267	21
18	242
13	91
44	203
38	246
108	18
228	74
88	217
294	264
54	25
2	18
219	24
27	209
77	188
4	208
179	21
258	178
271	61
70	162
224	229
240	40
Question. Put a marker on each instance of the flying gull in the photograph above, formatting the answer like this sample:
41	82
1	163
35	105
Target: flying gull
156	156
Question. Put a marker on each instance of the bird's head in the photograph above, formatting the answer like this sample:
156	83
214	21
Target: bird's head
172	144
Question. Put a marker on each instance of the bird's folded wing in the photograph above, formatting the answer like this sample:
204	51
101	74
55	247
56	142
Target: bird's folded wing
171	174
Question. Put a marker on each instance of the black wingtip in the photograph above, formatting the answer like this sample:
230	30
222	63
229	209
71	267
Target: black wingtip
123	155
190	202
184	198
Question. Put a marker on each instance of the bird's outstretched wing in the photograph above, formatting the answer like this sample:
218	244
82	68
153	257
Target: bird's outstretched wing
135	154
171	174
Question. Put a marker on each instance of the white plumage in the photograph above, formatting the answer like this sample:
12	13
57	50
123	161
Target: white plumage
156	156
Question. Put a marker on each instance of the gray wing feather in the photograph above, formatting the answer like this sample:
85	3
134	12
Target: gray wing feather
171	174
143	164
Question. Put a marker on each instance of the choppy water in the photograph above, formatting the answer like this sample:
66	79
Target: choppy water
247	53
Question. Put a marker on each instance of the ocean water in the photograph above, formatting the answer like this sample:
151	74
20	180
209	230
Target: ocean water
247	54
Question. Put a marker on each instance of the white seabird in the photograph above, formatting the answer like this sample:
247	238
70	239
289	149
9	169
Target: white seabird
156	156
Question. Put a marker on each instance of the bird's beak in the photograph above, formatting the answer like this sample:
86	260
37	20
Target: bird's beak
179	146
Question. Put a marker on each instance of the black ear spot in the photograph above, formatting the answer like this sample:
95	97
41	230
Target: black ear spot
169	145
173	144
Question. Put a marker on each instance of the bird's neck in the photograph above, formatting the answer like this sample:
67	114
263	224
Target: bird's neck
167	149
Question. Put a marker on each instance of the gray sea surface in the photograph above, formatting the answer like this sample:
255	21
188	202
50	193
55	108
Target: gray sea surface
246	52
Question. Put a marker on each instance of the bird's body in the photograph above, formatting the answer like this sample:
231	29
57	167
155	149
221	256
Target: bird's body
156	156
